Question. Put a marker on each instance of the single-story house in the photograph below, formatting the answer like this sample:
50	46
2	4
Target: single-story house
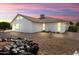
22	23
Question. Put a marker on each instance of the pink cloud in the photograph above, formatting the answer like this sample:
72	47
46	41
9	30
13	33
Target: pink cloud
14	8
68	18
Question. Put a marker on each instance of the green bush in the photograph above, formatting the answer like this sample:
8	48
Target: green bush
77	24
43	31
5	26
46	31
73	29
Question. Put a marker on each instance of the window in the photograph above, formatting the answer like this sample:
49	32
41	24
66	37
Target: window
17	18
43	26
21	17
17	26
58	27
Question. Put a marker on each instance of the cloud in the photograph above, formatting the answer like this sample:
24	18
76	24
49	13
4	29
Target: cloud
67	11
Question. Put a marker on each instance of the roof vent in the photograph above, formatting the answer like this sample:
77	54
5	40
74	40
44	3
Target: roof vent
42	16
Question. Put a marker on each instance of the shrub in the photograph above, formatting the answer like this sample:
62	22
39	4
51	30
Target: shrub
46	31
73	29
5	26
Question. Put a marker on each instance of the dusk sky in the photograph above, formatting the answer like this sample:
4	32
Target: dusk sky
65	11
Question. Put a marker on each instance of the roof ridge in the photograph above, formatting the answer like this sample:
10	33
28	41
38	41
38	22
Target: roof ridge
25	16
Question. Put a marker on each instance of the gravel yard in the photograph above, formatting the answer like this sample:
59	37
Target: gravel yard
49	43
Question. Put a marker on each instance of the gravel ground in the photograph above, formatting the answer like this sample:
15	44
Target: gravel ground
50	43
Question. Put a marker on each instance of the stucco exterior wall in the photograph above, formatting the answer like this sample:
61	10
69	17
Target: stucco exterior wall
24	25
54	27
37	27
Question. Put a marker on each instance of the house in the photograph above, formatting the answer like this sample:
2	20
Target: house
22	23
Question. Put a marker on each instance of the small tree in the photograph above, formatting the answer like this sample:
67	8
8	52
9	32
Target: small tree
5	26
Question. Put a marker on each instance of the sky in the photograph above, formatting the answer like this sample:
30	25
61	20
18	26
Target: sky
65	11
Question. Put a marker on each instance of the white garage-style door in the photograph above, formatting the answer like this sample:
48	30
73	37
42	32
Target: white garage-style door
56	27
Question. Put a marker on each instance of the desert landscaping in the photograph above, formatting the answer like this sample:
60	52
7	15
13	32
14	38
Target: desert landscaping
49	43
